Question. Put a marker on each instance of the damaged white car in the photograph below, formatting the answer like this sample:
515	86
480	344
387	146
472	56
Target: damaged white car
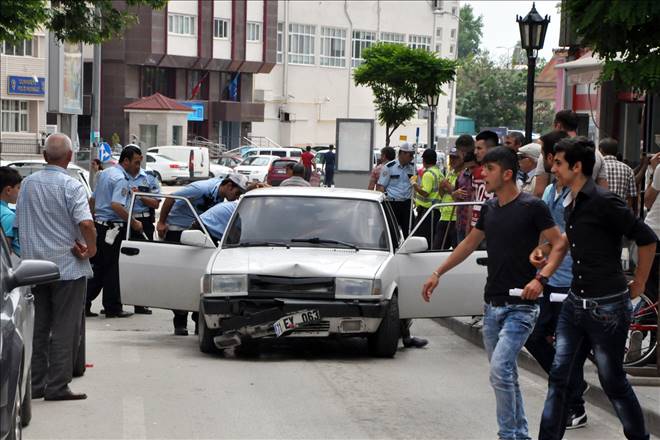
300	262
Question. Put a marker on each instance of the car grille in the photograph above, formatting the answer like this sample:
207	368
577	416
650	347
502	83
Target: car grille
289	287
247	173
321	326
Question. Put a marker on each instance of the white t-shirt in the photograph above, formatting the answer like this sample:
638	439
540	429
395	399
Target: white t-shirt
653	216
599	167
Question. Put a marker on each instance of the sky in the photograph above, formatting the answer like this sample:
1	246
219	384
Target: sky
500	30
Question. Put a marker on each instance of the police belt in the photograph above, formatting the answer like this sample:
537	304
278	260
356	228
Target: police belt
145	214
110	224
391	199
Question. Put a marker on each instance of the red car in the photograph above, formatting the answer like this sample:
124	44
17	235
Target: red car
277	171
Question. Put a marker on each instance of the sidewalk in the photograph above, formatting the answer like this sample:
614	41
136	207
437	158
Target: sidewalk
646	388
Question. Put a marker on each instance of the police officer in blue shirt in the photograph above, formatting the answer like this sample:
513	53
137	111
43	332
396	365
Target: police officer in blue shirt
110	201
217	218
394	181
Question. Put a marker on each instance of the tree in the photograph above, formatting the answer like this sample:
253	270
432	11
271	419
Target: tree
400	79
87	21
623	33
469	32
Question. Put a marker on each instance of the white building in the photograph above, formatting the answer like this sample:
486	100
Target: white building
318	45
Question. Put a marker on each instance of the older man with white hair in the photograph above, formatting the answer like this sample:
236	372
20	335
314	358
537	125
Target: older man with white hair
55	224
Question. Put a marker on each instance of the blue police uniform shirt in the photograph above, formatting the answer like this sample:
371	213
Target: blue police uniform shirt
217	218
395	178
202	196
144	179
8	220
112	186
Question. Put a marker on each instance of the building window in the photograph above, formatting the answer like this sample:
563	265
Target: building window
280	42
149	135
419	42
21	49
392	37
438	48
333	47
157	79
451	49
438	32
177	134
301	43
181	24
453	34
454	11
14	115
221	28
253	32
361	41
196	77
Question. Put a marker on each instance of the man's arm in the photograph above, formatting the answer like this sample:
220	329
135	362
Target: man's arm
558	246
161	225
119	209
650	195
540	184
150	202
92	204
602	182
88	231
380	188
646	254
462	251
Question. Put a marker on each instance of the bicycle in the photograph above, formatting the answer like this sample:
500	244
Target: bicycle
642	340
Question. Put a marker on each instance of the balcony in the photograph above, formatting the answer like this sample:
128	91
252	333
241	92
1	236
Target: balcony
236	111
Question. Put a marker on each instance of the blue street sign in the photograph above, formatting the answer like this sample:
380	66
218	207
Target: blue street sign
197	113
26	85
105	152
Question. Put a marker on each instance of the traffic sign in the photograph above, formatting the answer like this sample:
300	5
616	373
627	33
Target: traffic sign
105	152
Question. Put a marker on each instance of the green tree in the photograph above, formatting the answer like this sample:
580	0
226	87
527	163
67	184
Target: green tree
87	21
469	32
400	79
625	34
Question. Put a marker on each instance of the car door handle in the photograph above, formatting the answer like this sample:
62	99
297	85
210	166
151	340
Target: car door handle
482	261
130	251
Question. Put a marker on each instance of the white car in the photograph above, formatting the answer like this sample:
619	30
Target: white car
166	169
31	166
256	167
301	262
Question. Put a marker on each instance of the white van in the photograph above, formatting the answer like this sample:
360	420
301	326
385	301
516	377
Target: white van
293	153
197	158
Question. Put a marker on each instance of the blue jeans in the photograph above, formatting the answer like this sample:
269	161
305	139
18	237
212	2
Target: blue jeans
604	328
505	331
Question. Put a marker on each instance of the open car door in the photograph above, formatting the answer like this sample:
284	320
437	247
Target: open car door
161	274
460	291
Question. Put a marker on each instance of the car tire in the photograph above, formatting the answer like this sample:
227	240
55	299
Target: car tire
206	344
26	406
16	425
385	341
79	359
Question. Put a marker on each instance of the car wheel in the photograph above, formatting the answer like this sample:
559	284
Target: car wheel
79	352
16	426
206	344
26	407
385	341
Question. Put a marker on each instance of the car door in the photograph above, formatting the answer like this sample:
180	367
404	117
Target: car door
160	274
459	293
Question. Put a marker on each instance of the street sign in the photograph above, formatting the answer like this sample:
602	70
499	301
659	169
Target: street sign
105	152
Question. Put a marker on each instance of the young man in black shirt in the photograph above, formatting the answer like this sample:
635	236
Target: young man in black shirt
511	223
598	310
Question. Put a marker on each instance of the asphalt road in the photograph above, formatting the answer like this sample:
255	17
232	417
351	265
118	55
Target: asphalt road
147	383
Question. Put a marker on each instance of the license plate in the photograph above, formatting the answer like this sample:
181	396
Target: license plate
280	172
291	322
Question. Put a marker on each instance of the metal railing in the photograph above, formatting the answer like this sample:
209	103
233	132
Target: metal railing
261	142
20	147
215	149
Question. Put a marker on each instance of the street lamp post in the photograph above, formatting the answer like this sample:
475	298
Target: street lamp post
532	34
432	102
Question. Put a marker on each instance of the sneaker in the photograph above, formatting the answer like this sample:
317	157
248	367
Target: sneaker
477	322
576	420
635	346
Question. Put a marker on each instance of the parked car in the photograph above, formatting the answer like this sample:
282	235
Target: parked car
277	171
301	262
256	167
295	153
166	169
27	167
197	159
16	330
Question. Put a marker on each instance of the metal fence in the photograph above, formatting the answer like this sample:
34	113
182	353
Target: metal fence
20	147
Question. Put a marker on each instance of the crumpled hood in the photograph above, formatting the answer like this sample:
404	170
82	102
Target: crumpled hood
299	262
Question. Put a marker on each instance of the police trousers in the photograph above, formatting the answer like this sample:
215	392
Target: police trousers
105	265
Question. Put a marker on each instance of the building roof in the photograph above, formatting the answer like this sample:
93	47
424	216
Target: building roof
157	102
546	81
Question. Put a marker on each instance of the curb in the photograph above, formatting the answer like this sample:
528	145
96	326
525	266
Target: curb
596	396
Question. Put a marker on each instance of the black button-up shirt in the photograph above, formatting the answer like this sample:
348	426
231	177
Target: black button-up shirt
595	226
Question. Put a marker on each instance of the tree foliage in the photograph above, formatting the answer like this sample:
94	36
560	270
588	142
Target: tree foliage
87	21
400	79
625	34
469	32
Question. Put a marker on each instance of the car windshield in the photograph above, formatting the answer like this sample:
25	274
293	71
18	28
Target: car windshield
256	161
312	221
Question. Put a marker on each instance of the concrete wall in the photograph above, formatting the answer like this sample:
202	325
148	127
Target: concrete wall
222	46
255	13
164	121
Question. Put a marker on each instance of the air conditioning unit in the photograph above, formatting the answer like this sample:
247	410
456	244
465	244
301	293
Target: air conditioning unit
286	116
259	95
437	5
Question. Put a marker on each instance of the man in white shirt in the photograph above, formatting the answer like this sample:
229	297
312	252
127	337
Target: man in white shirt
652	219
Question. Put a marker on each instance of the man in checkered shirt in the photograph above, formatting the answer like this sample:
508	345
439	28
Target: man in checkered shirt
620	177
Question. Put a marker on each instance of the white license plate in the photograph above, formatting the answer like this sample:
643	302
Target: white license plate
291	322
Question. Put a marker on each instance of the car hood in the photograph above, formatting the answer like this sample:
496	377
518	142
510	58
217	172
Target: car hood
299	262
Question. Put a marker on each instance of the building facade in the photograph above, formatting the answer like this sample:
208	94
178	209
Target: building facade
319	43
199	52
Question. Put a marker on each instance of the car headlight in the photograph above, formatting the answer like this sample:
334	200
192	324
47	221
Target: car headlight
225	284
354	287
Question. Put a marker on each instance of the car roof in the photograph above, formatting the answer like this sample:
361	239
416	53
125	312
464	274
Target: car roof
273	148
266	155
28	162
305	191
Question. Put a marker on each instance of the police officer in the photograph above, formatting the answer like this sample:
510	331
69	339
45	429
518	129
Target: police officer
427	194
110	201
394	181
175	217
216	219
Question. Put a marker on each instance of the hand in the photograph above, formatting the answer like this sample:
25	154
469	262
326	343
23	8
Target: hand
161	228
532	290
459	194
429	286
137	226
537	259
83	252
655	160
636	288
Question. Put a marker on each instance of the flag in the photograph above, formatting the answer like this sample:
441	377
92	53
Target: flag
198	86
233	88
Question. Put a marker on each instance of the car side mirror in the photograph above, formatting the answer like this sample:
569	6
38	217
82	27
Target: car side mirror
414	245
196	238
33	272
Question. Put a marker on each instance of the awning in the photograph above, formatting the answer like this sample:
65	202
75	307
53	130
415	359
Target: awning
585	70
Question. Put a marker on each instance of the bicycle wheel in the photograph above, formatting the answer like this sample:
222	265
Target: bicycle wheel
642	342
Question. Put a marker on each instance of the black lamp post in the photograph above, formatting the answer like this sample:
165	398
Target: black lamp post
432	102
532	35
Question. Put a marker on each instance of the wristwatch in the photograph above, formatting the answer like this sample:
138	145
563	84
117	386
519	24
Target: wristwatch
541	279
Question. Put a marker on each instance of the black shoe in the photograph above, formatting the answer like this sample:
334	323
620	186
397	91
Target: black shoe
102	311
37	394
140	310
414	342
576	420
122	314
67	395
180	331
90	314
